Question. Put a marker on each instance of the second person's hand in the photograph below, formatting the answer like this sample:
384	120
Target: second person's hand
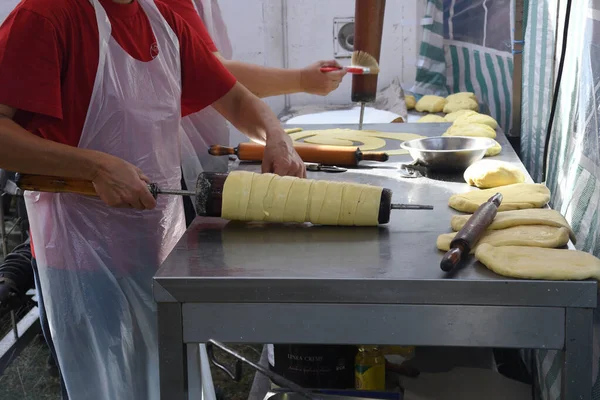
121	184
314	81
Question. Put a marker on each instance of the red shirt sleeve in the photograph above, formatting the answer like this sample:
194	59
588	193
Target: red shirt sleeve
30	64
204	79
186	10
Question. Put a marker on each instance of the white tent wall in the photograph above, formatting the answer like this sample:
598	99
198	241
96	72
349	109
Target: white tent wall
6	6
294	33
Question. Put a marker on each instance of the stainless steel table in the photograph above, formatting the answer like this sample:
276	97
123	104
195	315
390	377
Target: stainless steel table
260	283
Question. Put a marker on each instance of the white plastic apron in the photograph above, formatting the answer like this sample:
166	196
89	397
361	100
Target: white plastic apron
96	263
206	127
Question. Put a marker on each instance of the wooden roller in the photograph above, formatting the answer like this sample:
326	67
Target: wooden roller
209	192
368	30
327	155
471	232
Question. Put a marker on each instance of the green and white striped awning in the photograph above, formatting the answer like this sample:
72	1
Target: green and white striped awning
454	59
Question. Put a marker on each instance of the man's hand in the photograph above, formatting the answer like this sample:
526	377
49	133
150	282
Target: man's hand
314	81
121	184
281	158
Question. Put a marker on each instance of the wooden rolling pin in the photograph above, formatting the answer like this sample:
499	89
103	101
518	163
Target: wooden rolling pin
209	192
471	232
327	155
368	30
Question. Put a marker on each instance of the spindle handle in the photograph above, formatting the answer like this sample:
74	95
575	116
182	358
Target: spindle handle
53	184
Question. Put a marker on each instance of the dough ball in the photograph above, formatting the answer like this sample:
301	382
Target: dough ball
410	101
539	263
451	117
461	95
526	235
432	118
476	130
431	104
486	174
516	197
476	118
494	150
461	104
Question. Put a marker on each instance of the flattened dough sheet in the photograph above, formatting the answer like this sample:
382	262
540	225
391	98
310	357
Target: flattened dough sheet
367	139
538	263
266	197
525	235
530	216
516	197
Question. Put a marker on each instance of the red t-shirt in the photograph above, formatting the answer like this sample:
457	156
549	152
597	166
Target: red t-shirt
49	57
186	10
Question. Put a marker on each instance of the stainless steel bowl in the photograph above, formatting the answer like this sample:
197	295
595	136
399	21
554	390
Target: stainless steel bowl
452	153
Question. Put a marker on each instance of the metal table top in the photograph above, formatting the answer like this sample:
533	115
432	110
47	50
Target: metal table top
220	261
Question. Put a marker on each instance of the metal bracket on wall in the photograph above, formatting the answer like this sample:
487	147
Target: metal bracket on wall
343	37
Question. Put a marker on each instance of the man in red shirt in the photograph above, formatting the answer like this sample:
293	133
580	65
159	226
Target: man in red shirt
95	90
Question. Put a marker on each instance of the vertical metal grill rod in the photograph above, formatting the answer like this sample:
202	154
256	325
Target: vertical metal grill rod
362	116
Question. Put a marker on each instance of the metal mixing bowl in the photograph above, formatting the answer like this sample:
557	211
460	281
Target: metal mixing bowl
453	153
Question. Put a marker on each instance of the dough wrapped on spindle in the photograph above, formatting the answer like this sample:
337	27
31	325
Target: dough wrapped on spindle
266	197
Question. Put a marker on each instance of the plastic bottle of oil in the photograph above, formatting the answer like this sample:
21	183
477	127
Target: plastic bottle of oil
369	369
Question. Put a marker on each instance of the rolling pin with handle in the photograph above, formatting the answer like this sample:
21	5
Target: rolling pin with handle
328	155
209	193
471	232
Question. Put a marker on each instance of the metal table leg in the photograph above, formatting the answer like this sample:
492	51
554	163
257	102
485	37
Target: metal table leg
171	352
194	372
577	377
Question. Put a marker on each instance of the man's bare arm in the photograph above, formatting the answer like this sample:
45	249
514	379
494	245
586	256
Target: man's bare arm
24	152
266	81
255	119
117	182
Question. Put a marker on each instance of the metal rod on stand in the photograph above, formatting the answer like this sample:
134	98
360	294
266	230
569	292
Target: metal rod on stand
362	116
